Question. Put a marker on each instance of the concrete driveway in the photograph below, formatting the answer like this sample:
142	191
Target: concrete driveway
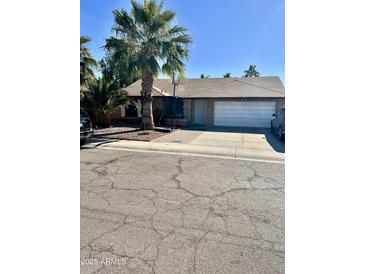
243	138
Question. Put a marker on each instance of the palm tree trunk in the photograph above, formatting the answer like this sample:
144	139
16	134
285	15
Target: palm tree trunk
146	98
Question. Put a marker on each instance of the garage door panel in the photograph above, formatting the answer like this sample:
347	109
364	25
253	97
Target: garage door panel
245	124
243	114
243	117
246	103
237	111
248	112
243	106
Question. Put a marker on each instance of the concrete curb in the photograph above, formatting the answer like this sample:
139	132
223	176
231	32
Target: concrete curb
229	152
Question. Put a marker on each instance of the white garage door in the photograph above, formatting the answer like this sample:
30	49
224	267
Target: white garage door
243	114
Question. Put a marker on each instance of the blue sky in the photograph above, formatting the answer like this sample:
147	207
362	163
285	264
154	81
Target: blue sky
228	35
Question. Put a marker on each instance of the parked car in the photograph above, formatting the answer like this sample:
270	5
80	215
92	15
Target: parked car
86	126
278	124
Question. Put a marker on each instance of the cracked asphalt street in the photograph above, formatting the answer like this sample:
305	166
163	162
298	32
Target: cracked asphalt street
163	213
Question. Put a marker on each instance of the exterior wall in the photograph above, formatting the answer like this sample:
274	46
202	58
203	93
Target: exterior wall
116	114
280	103
188	110
209	110
160	103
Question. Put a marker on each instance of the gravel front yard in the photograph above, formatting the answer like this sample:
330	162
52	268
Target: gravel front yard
128	133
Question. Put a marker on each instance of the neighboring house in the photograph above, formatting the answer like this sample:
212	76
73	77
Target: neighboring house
235	102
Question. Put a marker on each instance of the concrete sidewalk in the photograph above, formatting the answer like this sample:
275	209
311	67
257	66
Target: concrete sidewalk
194	149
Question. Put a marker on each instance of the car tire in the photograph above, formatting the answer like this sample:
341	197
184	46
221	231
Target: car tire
82	142
280	134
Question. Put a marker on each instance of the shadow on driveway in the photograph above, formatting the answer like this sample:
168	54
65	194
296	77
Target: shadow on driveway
273	140
95	142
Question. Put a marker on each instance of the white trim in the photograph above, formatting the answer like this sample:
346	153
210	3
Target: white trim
139	108
122	111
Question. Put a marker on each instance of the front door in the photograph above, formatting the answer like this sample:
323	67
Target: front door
199	112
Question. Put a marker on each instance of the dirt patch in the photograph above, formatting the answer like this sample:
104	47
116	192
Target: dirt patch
128	133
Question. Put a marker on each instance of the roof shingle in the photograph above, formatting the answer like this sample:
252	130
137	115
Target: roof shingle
216	87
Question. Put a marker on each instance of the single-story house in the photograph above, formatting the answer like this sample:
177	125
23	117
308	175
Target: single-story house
233	102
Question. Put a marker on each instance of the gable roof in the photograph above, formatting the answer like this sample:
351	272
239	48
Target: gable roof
215	87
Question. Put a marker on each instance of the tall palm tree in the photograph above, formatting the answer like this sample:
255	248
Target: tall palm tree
102	98
87	64
252	72
227	75
151	38
115	65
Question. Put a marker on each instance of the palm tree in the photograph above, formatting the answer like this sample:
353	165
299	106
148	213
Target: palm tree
203	76
87	64
252	72
149	36
115	64
227	75
102	98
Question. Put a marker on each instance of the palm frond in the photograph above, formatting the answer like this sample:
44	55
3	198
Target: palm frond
87	65
103	97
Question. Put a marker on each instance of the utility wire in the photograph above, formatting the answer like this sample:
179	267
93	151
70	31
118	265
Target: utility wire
244	82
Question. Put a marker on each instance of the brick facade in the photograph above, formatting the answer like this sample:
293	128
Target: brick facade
280	103
160	103
188	110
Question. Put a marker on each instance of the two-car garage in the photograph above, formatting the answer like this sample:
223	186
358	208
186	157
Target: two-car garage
243	113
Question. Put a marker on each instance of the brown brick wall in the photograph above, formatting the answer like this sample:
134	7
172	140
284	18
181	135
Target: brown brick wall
115	114
279	104
188	110
160	103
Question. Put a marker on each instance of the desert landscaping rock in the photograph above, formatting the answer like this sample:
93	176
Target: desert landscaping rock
128	133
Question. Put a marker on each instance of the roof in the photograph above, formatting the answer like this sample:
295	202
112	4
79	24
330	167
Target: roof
215	87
